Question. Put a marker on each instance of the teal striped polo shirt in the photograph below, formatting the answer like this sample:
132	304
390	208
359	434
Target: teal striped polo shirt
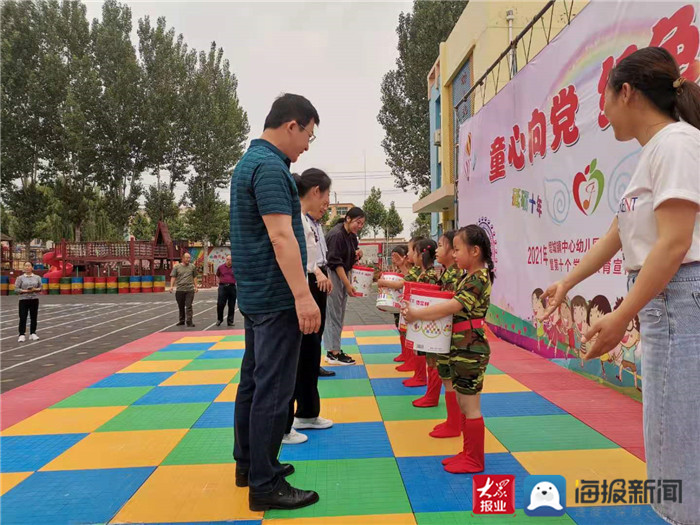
262	184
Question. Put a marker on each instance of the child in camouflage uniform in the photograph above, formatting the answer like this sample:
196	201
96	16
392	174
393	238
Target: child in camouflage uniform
469	351
424	258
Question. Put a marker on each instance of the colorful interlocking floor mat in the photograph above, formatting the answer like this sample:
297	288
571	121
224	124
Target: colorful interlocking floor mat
143	434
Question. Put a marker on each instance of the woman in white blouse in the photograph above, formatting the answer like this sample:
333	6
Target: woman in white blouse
658	229
314	191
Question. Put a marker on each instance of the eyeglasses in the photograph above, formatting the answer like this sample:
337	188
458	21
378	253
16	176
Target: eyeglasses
312	137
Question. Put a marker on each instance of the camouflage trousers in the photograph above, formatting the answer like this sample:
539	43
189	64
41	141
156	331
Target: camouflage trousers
465	367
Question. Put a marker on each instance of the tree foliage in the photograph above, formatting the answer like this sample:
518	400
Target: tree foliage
375	211
393	225
404	114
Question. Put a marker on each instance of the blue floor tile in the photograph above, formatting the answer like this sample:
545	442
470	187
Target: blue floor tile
380	349
165	395
619	515
79	496
218	415
348	341
180	347
222	354
346	372
394	387
517	404
30	453
341	441
133	379
431	489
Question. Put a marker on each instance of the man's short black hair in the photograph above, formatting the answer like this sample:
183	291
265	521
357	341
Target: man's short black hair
289	108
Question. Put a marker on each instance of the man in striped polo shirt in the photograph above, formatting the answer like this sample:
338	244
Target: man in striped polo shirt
268	248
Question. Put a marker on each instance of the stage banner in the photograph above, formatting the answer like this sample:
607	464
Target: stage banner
542	173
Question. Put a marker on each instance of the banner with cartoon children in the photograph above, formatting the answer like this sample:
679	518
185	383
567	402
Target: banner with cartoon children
540	170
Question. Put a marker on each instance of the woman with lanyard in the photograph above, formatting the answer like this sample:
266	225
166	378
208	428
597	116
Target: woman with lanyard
314	187
658	228
342	254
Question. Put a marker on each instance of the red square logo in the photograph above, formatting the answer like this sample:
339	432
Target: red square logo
493	494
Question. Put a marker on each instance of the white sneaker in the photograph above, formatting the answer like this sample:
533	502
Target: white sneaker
294	438
34	337
21	339
316	423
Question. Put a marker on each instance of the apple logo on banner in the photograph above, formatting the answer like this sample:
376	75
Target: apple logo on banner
588	188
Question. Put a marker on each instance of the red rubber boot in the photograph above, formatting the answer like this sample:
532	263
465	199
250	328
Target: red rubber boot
401	358
432	395
420	376
409	365
453	426
472	459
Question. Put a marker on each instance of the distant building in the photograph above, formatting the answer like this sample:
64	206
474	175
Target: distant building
338	209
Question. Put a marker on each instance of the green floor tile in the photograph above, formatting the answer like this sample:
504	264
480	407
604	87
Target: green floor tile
202	446
493	371
214	364
345	388
155	417
173	356
236	379
467	518
104	397
230	338
399	408
379	359
560	432
349	488
375	333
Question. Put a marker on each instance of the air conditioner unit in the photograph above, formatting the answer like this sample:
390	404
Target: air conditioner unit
437	138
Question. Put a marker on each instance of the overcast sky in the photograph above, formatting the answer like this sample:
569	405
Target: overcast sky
333	53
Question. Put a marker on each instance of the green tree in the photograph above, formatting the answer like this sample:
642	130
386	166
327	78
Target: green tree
421	226
404	114
375	212
142	228
393	225
160	203
121	106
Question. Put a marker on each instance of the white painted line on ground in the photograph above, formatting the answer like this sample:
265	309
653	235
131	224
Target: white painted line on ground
93	339
193	316
42	327
25	345
43	320
16	319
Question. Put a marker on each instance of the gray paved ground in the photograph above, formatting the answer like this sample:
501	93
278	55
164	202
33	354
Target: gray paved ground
73	328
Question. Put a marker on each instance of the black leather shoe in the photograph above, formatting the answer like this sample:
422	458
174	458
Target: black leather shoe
218	323
181	323
242	475
191	325
230	324
284	497
322	372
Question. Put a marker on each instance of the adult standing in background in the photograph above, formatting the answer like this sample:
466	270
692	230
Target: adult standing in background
28	287
183	280
343	249
269	260
227	293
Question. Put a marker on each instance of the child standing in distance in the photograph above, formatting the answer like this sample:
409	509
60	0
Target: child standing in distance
469	351
448	282
424	258
400	263
411	276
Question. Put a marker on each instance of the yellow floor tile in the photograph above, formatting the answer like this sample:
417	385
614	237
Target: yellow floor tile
347	334
188	493
411	439
377	519
357	357
498	384
200	377
228	393
156	366
379	340
385	371
63	421
9	480
200	339
142	448
599	464
229	345
350	409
